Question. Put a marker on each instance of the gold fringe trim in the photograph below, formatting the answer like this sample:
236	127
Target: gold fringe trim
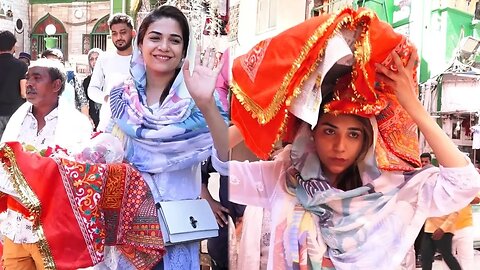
27	196
247	102
31	202
47	257
362	55
264	116
321	54
280	131
364	48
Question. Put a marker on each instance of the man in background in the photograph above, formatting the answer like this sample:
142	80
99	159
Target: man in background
425	159
438	235
12	79
112	68
41	122
462	242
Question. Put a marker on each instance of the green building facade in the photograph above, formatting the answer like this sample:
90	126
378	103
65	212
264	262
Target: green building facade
434	27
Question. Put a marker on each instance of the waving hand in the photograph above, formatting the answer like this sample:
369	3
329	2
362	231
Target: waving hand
201	81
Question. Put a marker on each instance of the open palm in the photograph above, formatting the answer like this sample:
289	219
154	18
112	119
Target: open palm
201	82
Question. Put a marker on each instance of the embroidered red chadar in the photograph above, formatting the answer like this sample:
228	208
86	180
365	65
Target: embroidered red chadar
267	79
78	208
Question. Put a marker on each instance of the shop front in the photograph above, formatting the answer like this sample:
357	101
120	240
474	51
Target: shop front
454	100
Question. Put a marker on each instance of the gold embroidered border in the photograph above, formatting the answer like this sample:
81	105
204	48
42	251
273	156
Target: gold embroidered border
47	256
362	54
27	196
30	201
363	47
263	116
280	131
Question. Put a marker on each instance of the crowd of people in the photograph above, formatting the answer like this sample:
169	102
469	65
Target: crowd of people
151	107
340	183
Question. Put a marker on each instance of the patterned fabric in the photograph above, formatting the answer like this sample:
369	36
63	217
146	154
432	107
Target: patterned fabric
387	213
350	223
178	126
268	79
132	217
112	201
360	221
13	224
83	184
94	205
55	217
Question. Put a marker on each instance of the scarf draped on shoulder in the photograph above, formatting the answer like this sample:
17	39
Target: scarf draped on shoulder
278	90
173	137
333	229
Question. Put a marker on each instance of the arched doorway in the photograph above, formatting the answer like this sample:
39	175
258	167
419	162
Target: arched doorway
98	37
38	36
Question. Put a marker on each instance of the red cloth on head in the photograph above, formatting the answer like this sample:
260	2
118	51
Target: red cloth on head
270	76
80	207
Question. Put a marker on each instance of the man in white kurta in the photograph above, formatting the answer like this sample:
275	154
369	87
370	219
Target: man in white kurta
112	68
41	122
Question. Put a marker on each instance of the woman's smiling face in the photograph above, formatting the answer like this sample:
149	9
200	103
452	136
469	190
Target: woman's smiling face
162	46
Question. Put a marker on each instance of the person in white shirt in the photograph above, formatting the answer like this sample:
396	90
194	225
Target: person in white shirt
42	121
112	68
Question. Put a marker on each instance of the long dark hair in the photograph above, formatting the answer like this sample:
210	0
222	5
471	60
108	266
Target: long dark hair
172	13
350	178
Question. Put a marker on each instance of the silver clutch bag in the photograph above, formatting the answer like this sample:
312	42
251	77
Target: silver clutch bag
186	221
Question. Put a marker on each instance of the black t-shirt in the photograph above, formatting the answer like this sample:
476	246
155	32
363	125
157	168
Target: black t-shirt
12	71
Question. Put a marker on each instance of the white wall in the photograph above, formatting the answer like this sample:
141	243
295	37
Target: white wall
460	94
289	13
434	51
20	10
